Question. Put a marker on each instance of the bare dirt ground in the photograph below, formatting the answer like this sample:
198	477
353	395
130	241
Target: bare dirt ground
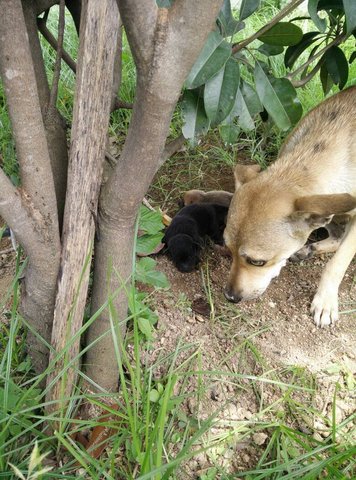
280	328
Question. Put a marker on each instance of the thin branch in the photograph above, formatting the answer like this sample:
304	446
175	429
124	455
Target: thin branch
57	65
42	27
111	159
283	13
15	209
335	42
170	149
302	81
122	104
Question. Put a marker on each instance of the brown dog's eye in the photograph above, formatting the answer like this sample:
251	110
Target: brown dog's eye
256	263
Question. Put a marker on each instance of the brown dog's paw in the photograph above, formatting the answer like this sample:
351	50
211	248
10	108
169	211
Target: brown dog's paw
303	254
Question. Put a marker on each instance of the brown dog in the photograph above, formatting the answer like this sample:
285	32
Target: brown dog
272	215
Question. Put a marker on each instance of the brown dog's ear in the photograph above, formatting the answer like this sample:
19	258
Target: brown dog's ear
245	173
318	210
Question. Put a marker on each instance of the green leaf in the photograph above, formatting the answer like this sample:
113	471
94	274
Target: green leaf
15	429
350	14
145	327
283	33
330	5
294	51
229	133
12	396
150	221
212	58
154	395
146	273
326	80
226	21
248	7
320	23
337	66
245	120
251	99
194	117
279	98
269	50
220	92
146	244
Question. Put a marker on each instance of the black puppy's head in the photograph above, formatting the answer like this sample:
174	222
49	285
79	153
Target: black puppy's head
184	252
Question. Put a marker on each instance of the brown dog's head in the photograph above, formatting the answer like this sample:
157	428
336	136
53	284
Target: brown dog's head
266	224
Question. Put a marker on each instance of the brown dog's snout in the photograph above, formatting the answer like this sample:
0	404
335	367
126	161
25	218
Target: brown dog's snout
231	295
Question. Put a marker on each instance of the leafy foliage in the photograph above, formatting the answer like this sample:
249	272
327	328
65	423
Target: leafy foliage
216	92
150	222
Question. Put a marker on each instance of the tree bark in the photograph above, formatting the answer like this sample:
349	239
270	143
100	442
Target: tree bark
98	40
154	35
41	241
54	123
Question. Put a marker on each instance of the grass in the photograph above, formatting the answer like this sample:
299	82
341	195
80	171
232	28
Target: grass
154	434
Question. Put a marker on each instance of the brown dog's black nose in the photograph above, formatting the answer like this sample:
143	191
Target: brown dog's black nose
231	295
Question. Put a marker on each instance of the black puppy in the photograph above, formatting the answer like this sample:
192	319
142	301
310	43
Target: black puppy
184	237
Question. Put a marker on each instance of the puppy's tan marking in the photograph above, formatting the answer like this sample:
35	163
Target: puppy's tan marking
272	215
218	197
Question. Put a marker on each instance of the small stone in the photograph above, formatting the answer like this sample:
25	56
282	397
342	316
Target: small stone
260	438
190	320
271	304
214	395
201	459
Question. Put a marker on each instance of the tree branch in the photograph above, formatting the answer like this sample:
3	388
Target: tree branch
36	52
303	81
158	87
69	60
122	104
283	13
42	27
141	32
17	214
43	5
171	148
98	40
75	8
335	42
19	81
57	65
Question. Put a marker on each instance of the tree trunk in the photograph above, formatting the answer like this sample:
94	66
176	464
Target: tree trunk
98	40
40	241
162	68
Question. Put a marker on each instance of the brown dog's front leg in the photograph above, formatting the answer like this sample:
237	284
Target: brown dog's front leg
325	304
